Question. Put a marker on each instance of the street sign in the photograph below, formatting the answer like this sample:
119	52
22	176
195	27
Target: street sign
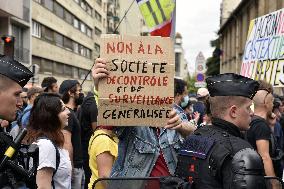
200	84
200	77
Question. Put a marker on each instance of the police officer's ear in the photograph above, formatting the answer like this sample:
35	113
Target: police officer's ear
233	111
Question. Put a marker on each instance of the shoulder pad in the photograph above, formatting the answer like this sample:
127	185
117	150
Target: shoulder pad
248	170
247	161
197	146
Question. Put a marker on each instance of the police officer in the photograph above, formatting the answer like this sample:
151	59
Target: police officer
216	156
13	77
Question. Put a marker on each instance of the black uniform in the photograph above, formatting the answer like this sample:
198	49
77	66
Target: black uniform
217	156
213	158
17	72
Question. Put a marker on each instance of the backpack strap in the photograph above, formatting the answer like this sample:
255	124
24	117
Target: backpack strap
100	135
57	158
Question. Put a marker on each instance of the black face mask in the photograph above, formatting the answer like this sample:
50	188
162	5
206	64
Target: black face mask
79	100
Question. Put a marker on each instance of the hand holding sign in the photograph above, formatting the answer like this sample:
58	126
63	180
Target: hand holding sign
138	89
99	71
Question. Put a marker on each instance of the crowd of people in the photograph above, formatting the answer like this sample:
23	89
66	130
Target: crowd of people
228	135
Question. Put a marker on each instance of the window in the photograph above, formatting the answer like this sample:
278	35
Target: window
98	32
89	32
67	43
89	9
68	17
76	47
58	39
75	72
47	65
83	5
47	34
82	73
67	70
88	53
98	16
48	4
36	30
97	47
37	60
76	23
58	10
58	68
82	50
83	27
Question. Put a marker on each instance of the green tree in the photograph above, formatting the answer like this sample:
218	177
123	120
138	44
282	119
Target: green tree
190	84
213	62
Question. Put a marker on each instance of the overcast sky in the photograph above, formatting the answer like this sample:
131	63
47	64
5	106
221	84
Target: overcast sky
198	22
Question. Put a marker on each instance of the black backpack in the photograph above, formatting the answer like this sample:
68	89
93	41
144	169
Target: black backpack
25	159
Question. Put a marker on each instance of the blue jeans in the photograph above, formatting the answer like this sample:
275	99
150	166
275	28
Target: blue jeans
77	178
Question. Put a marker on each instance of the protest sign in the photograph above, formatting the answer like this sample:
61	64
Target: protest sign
140	88
263	57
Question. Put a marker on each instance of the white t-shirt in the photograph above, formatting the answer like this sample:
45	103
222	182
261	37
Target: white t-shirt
47	158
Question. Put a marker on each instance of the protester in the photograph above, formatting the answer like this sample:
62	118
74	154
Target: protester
48	117
24	97
181	100
199	106
216	156
11	83
192	117
260	135
207	119
87	115
49	84
276	128
103	152
32	93
72	95
146	151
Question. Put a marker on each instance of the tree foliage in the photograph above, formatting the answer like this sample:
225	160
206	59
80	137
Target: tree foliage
190	84
213	62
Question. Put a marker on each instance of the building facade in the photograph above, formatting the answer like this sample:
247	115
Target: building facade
181	70
227	7
233	32
15	19
65	37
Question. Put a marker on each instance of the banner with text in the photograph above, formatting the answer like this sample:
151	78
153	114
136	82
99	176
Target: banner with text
263	58
140	88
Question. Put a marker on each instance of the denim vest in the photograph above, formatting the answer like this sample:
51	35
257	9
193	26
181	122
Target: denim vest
139	149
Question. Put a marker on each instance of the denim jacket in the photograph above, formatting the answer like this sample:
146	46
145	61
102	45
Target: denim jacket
139	149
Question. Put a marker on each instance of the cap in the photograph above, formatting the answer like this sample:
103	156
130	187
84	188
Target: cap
14	70
231	84
66	85
202	92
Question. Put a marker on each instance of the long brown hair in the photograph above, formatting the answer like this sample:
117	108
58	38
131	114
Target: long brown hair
44	120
